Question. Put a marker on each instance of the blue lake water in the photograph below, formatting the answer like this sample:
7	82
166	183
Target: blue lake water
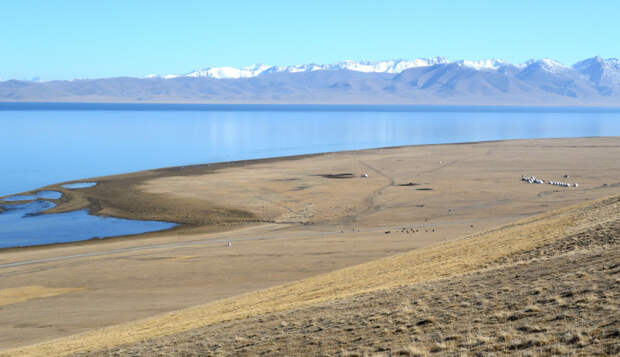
74	186
43	143
40	194
20	225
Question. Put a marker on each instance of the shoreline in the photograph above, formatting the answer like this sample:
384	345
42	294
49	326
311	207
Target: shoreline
240	163
99	200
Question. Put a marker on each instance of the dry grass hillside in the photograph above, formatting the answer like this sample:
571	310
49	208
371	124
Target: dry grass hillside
564	301
534	285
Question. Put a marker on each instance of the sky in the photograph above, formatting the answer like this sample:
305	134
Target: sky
94	39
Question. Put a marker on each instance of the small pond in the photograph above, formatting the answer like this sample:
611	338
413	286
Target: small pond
77	185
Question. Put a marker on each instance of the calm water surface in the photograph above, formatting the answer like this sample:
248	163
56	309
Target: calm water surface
40	194
41	144
79	185
20	225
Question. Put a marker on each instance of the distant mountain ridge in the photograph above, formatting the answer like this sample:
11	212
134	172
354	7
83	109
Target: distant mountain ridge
434	81
390	66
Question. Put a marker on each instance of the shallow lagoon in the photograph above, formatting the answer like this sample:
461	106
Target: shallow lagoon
52	195
22	225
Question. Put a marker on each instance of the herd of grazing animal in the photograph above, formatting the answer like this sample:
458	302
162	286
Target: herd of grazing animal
533	179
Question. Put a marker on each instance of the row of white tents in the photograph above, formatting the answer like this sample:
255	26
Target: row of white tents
533	179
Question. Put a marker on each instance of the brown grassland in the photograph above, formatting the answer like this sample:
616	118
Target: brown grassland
440	251
560	298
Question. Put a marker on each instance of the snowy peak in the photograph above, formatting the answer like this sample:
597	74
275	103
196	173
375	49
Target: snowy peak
491	64
547	65
393	66
601	71
230	72
609	63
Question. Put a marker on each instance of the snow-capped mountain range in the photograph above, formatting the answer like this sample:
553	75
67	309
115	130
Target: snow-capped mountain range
594	81
391	66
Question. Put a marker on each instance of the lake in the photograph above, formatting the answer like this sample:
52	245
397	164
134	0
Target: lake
45	143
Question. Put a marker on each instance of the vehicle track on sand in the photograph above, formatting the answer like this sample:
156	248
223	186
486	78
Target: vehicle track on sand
369	205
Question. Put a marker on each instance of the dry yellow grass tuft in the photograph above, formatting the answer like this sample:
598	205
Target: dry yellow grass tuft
444	260
25	293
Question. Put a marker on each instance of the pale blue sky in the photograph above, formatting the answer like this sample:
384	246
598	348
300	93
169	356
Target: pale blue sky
67	39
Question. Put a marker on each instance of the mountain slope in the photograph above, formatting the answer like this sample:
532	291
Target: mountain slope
605	74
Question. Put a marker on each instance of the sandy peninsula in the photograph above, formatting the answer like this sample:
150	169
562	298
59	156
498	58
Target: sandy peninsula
422	213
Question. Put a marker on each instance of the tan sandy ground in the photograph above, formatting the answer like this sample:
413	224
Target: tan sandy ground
297	224
448	259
